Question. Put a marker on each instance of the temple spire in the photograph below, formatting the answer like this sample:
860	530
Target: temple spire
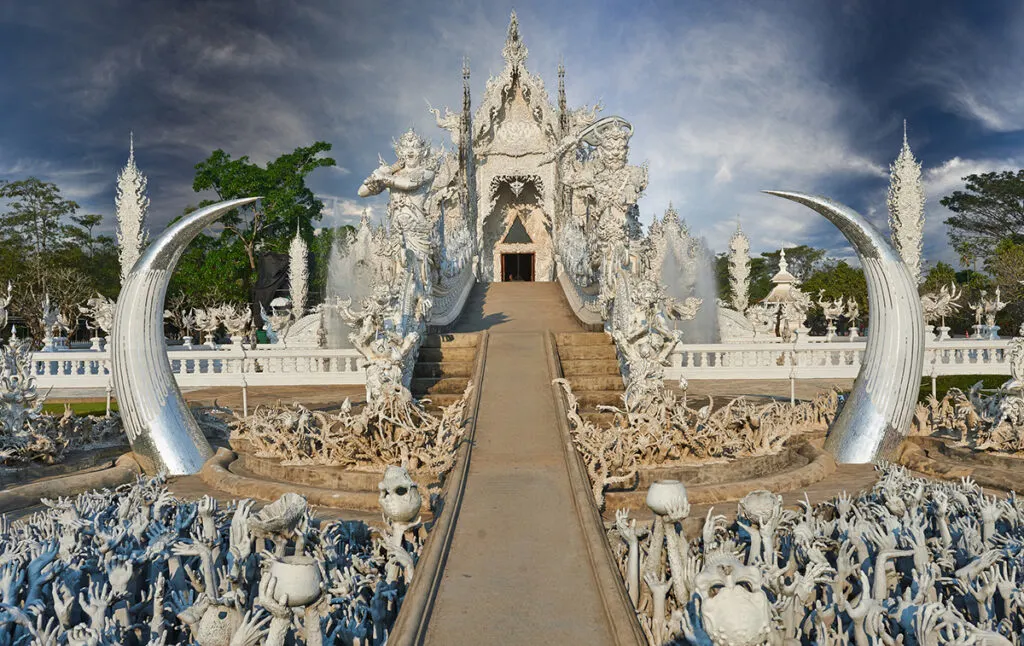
515	51
906	207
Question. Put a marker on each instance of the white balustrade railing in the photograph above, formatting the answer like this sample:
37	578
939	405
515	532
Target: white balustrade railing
833	360
584	305
447	308
226	366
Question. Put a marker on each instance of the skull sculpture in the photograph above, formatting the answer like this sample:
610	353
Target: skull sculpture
399	495
734	608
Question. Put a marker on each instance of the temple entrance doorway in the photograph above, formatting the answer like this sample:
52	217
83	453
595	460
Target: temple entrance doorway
517	267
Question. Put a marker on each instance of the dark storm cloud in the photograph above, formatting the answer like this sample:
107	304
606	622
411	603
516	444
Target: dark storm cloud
727	98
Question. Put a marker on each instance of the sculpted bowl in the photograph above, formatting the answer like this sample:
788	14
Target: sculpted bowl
665	495
298	577
760	504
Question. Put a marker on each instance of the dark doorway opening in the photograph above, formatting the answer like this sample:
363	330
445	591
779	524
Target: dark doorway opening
516	266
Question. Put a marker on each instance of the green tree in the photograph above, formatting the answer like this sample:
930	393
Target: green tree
34	219
722	277
1006	267
802	261
989	210
941	275
209	272
86	223
286	200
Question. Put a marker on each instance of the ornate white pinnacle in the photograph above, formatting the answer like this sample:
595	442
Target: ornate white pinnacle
131	204
906	207
515	51
298	273
739	269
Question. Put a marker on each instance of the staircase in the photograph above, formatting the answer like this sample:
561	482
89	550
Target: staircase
444	368
591	366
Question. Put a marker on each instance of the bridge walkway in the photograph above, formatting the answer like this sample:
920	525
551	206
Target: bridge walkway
518	570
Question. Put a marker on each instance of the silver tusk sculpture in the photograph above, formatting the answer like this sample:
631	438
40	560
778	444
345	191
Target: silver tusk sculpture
163	434
877	415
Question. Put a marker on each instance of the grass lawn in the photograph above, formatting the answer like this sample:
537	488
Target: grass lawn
80	408
963	382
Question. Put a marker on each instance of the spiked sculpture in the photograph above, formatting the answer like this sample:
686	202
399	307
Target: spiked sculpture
163	434
906	207
878	413
298	274
131	204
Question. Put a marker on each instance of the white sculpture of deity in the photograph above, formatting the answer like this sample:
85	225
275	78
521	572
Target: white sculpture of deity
641	330
409	181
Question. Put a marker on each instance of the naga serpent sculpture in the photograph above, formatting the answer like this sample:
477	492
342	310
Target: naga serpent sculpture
163	433
879	409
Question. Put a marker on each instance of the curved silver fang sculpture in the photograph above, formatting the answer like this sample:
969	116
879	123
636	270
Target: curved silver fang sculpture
163	434
878	412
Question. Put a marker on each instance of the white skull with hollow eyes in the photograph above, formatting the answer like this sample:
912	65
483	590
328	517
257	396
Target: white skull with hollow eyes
734	609
399	495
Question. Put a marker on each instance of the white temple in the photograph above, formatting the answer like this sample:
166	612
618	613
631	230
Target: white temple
514	182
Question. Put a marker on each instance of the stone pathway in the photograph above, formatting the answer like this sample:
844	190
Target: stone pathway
518	570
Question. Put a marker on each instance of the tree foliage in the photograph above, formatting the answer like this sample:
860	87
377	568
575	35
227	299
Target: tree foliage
286	201
46	247
221	265
989	210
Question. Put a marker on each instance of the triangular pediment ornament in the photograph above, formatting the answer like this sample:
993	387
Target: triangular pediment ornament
517	233
515	51
514	83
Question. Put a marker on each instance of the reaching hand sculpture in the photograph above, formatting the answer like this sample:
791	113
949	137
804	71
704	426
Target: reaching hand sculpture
159	570
888	566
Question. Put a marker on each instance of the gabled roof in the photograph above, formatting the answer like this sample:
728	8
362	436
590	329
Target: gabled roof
500	91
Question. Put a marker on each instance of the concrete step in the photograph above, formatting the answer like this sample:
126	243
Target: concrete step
438	369
450	385
464	340
589	367
590	399
582	338
582	352
596	382
447	354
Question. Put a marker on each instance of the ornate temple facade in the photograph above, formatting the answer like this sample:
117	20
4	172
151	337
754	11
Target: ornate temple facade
519	157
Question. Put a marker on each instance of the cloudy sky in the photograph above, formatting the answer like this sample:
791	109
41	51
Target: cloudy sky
727	98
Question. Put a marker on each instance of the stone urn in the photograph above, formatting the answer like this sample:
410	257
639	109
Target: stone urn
186	342
399	497
298	577
665	495
943	333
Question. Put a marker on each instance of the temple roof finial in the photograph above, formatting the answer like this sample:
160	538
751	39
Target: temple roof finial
515	51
